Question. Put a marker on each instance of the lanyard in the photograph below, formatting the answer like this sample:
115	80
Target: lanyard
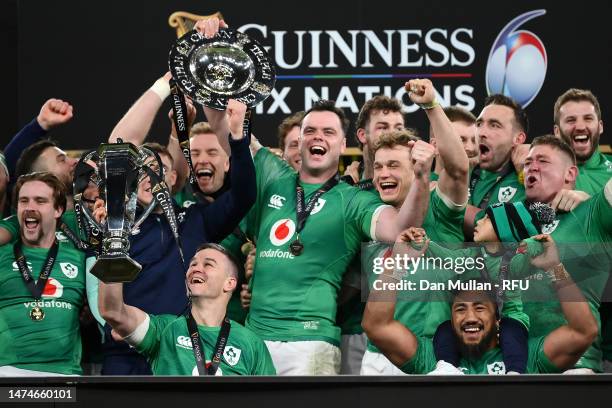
198	349
35	288
475	178
303	210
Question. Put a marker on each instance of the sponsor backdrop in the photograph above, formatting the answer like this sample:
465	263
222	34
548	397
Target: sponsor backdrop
101	56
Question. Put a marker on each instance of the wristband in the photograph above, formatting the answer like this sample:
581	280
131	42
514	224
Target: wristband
430	105
162	88
558	274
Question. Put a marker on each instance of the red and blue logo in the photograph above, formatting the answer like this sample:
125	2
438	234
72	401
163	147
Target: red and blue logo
517	62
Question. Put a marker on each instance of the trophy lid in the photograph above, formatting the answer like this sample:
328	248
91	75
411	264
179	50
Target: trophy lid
230	65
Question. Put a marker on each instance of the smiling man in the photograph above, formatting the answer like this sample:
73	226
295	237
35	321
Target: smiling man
309	226
578	122
43	286
205	341
475	323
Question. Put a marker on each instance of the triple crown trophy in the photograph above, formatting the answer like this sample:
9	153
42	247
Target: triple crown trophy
210	71
115	169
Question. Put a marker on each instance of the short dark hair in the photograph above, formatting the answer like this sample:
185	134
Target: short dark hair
233	262
459	114
555	142
27	159
324	105
378	103
575	95
520	116
59	189
286	125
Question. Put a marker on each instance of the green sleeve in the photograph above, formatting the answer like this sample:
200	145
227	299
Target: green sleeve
362	208
264	364
91	282
537	360
11	224
424	360
600	221
149	346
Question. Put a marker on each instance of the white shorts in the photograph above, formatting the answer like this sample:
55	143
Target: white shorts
378	364
304	357
352	348
10	371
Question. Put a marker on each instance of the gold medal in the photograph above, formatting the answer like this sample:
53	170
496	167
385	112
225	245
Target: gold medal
246	248
37	314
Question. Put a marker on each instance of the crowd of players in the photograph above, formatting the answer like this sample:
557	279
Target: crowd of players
279	250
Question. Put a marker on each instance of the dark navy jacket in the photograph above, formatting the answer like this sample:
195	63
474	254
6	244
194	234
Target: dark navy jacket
160	286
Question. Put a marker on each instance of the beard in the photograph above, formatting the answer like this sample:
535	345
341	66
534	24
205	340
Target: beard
475	351
582	157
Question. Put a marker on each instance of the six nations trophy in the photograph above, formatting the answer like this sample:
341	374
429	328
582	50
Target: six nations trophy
210	71
115	169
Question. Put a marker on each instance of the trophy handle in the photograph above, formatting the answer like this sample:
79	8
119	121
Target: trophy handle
145	152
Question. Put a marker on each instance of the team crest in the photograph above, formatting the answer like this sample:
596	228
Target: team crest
505	194
231	355
549	228
70	270
318	206
496	368
59	235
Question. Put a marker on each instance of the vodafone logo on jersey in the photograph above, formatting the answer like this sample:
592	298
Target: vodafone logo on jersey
282	231
53	289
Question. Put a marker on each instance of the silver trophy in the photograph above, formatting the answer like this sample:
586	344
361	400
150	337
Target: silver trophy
230	65
118	169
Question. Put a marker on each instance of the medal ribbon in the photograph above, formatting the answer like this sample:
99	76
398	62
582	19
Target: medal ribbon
198	349
35	288
303	210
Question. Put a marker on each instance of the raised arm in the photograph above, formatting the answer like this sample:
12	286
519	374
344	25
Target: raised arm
412	213
224	214
124	319
565	345
54	112
136	123
395	340
453	181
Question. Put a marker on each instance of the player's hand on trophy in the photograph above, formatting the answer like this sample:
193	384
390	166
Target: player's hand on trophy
420	91
54	112
210	26
235	113
99	211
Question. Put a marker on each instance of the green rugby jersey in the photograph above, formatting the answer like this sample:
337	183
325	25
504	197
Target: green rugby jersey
584	239
52	344
508	189
491	362
294	297
443	225
168	348
594	173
